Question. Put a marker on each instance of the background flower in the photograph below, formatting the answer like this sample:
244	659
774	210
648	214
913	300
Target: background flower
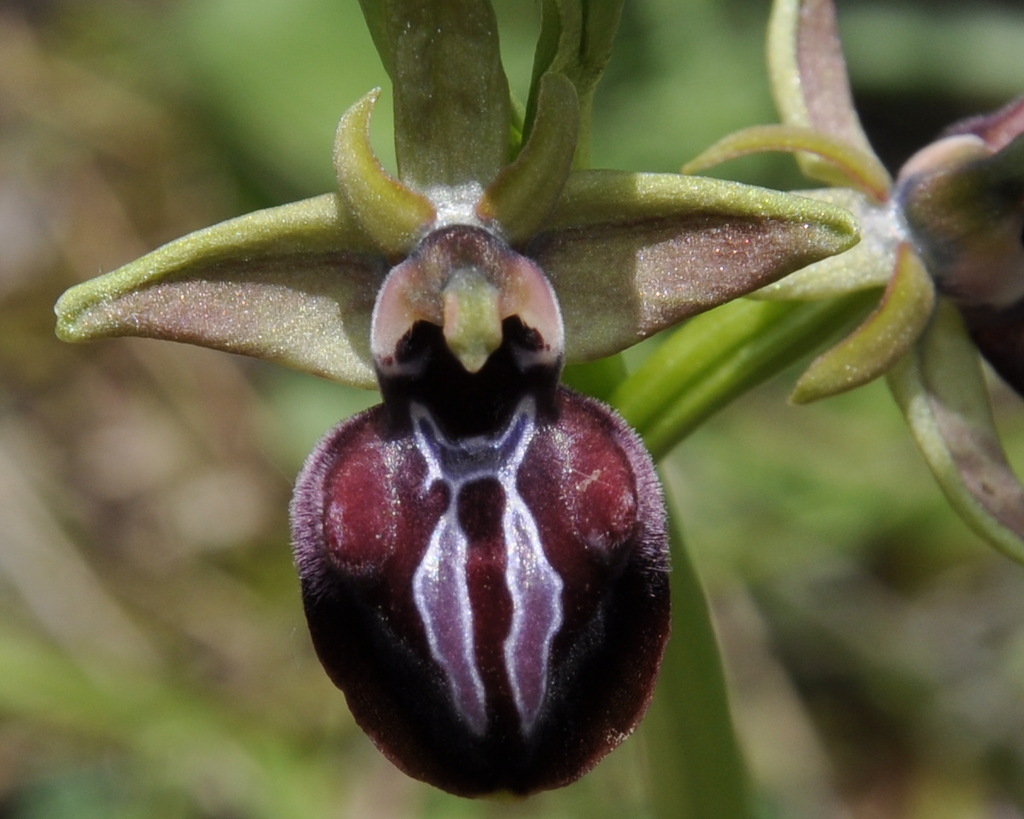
945	234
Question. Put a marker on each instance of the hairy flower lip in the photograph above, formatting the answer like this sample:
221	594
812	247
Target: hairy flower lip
604	654
427	281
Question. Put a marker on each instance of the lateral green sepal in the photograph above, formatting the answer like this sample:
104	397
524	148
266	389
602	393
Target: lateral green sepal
630	254
293	284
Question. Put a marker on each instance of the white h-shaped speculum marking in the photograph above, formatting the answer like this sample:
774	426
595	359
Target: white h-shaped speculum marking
441	584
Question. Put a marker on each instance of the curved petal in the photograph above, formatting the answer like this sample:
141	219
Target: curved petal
389	212
293	284
576	40
523	195
941	390
809	80
882	339
630	254
452	107
862	171
867	264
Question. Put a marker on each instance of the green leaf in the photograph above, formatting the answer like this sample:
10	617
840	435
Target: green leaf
715	357
881	340
809	80
697	766
293	284
630	254
452	108
941	389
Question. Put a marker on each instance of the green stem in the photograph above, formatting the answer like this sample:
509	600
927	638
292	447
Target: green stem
697	768
716	357
597	378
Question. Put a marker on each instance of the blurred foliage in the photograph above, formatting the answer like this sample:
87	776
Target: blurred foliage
153	654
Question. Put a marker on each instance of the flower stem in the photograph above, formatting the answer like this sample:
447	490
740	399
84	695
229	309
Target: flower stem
716	357
596	378
697	769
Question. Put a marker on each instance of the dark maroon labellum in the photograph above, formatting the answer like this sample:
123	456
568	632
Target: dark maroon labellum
483	557
494	608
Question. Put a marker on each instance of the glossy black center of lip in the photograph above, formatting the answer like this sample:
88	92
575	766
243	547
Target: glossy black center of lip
463	403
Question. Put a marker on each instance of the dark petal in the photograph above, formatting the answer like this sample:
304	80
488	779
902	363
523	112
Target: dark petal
999	335
495	608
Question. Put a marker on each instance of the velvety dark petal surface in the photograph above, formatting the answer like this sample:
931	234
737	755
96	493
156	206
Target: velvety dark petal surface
560	688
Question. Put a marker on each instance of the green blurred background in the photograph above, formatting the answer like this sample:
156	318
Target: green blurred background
154	660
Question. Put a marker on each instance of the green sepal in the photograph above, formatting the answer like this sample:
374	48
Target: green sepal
809	80
941	389
292	284
525	192
630	254
452	108
866	265
392	214
884	337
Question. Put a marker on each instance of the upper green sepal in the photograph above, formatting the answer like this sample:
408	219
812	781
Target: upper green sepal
293	284
809	81
452	106
575	41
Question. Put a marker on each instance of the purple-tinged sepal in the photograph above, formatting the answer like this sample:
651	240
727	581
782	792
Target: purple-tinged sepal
941	389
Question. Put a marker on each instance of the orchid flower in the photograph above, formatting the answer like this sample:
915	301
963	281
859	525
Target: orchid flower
483	556
946	241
